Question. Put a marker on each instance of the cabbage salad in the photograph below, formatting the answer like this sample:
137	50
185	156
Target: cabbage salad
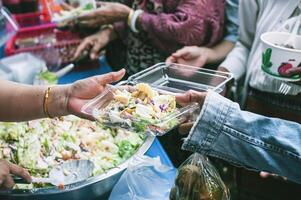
139	107
41	144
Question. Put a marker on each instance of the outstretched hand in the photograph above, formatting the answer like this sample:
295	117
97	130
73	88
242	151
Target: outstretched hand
186	98
107	13
84	90
6	169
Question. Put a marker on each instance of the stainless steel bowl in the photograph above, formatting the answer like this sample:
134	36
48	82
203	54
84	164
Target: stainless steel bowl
90	189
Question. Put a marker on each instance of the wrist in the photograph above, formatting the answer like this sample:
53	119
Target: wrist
223	69
108	33
211	56
58	101
134	20
124	12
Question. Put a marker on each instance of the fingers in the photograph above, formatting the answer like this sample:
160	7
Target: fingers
20	172
181	53
4	172
95	50
185	128
8	183
110	77
171	59
191	96
6	169
292	71
82	47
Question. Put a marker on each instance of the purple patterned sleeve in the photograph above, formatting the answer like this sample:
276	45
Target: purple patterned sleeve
193	22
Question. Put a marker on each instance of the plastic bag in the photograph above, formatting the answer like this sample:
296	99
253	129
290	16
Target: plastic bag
145	179
21	68
197	179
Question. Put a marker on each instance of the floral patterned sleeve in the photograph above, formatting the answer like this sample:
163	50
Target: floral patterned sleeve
181	23
191	22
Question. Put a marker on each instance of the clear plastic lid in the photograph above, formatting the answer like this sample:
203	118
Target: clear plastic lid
164	79
139	109
180	78
8	26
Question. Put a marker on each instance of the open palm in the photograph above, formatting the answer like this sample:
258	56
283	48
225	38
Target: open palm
84	90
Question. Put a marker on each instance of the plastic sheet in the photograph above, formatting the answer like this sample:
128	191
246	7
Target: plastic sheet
145	179
8	27
21	68
197	179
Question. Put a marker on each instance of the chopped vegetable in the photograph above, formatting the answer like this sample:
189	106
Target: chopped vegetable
138	108
41	144
48	76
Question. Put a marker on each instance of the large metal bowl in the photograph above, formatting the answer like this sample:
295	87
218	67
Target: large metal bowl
90	189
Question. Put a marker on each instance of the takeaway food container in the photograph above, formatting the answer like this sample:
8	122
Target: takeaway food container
180	78
158	127
165	78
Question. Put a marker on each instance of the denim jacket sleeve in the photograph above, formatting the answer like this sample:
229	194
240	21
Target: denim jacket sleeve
246	139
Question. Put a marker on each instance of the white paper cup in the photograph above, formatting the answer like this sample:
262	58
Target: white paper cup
276	59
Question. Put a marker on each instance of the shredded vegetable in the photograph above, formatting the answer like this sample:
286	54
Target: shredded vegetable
41	144
140	107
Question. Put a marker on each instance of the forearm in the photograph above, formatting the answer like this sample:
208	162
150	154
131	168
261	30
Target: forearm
246	139
236	61
23	102
168	31
219	52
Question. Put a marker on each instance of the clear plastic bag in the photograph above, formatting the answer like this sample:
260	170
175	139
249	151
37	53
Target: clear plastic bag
21	68
197	179
145	179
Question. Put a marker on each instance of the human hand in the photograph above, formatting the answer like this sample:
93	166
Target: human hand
191	55
107	13
6	169
291	72
186	98
84	90
94	43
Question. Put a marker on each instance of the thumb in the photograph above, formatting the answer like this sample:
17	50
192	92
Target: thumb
192	96
110	77
181	53
170	60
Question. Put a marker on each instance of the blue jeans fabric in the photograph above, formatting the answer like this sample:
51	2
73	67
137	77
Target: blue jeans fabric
246	139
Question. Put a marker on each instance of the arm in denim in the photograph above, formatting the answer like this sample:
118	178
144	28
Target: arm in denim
246	139
231	20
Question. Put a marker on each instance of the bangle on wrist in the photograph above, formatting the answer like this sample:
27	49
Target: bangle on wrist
134	18
46	102
130	16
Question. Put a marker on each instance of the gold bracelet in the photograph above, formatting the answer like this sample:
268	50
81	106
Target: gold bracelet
130	17
45	102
